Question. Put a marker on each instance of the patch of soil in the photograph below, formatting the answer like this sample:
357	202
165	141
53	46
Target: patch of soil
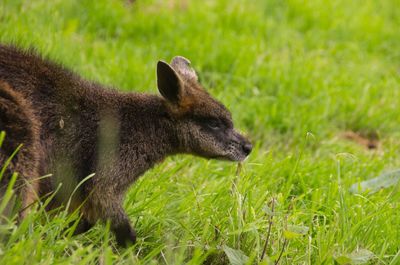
369	141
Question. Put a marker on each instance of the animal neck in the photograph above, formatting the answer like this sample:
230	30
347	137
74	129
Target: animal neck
150	127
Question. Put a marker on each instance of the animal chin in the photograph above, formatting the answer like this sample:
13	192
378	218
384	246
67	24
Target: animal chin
239	158
234	157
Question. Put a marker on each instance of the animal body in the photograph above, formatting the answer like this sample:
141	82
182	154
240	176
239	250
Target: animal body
70	128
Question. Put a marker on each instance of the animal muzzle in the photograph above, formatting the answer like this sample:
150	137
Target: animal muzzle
240	147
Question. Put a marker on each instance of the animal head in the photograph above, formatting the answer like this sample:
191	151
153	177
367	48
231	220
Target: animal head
204	126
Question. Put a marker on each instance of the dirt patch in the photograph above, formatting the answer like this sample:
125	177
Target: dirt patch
369	141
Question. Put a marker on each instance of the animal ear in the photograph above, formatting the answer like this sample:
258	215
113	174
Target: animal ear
168	82
182	66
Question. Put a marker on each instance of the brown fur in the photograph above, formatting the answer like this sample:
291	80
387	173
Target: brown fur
71	128
18	120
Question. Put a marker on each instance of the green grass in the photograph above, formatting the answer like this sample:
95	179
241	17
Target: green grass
295	74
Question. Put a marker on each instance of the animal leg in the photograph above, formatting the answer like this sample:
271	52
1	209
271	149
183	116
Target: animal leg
110	209
124	233
83	226
22	128
120	225
29	195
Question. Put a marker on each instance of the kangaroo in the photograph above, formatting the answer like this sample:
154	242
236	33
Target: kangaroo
70	128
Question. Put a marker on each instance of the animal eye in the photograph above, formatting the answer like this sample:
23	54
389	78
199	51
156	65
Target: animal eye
214	124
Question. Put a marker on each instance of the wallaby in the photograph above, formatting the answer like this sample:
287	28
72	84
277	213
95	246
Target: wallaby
71	128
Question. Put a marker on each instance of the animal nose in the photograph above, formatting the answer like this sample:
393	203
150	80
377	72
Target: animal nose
247	147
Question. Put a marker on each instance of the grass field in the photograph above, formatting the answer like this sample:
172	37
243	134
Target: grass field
309	81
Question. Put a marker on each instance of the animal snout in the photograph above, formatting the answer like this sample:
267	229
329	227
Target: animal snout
243	145
247	147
